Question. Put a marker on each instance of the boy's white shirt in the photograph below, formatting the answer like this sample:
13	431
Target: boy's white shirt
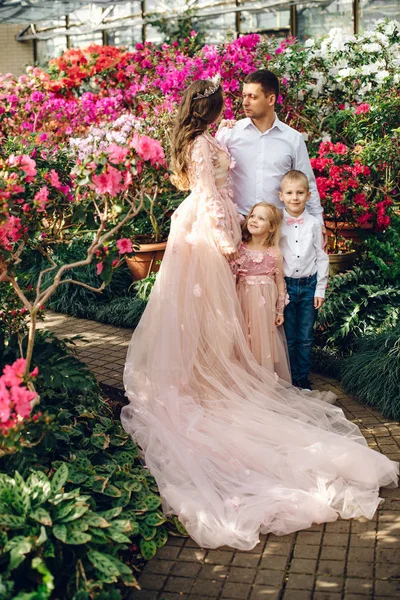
303	256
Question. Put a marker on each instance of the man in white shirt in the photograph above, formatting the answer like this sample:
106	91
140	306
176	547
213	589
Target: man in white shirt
264	148
306	267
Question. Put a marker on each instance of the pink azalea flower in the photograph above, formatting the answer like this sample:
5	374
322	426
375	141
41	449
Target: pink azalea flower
99	268
148	149
116	153
5	408
109	182
22	398
24	162
362	108
124	246
55	179
14	374
41	198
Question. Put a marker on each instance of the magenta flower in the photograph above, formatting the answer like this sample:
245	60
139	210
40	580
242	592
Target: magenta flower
14	374
124	246
41	198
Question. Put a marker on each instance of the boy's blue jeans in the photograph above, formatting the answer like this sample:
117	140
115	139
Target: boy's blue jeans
299	321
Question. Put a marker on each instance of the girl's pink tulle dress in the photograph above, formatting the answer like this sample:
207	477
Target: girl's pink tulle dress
258	273
235	451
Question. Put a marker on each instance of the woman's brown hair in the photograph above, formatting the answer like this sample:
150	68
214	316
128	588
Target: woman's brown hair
275	220
193	118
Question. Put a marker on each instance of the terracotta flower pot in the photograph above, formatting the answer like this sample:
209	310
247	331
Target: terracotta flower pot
339	263
346	230
145	260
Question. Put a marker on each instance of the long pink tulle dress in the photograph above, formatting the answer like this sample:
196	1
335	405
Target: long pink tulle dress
258	274
234	451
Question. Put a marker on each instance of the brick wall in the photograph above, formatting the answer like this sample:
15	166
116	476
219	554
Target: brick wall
14	56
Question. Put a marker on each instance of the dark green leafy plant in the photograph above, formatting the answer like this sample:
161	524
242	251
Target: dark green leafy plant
43	525
372	373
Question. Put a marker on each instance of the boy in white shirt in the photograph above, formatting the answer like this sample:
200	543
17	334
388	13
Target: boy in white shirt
306	268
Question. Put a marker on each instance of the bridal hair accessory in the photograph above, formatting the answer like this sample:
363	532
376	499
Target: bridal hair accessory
215	82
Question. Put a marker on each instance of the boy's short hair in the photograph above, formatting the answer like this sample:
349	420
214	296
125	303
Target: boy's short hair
295	175
268	81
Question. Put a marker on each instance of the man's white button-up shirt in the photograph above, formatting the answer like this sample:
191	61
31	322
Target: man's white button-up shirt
301	246
261	161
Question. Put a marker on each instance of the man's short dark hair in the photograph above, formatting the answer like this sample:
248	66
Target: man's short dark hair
268	81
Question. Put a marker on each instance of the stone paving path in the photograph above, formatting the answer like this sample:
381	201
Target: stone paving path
346	560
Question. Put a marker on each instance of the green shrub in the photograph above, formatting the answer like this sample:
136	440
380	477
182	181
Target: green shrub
372	373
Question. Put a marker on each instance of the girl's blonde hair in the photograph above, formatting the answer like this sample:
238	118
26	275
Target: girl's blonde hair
274	217
193	118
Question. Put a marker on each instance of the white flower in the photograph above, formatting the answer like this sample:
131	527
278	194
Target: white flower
382	38
325	137
348	72
373	47
390	27
368	69
305	136
381	76
288	51
396	78
309	43
300	95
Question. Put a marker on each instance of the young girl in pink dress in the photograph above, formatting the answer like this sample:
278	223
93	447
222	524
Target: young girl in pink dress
262	290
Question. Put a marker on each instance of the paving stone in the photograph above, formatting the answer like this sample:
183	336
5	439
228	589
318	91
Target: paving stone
219	558
186	569
363	540
152	581
192	554
297	595
161	567
388	555
329	584
275	563
336	539
360	554
309	537
260	592
306	551
241	575
208	588
333	553
303	565
277	549
389	587
351	596
327	595
213	572
338	527
236	590
359	586
179	584
360	569
331	567
300	581
168	552
143	595
386	570
270	578
241	559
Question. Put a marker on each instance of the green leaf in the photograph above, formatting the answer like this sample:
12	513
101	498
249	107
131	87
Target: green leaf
103	563
59	478
147	531
42	538
148	549
152	502
76	538
180	528
111	513
155	518
100	440
12	521
132	486
20	496
117	536
18	552
94	520
79	510
41	516
161	537
60	532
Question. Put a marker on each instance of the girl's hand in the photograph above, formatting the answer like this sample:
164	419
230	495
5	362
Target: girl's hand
279	320
318	302
230	254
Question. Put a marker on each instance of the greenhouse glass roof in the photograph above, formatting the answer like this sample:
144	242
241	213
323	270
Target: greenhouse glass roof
34	11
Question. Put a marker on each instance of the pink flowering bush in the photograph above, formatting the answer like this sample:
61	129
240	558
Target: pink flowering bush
15	398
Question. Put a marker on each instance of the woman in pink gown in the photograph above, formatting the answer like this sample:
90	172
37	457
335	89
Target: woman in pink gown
234	451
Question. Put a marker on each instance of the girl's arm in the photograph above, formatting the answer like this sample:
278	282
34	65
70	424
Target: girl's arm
283	298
